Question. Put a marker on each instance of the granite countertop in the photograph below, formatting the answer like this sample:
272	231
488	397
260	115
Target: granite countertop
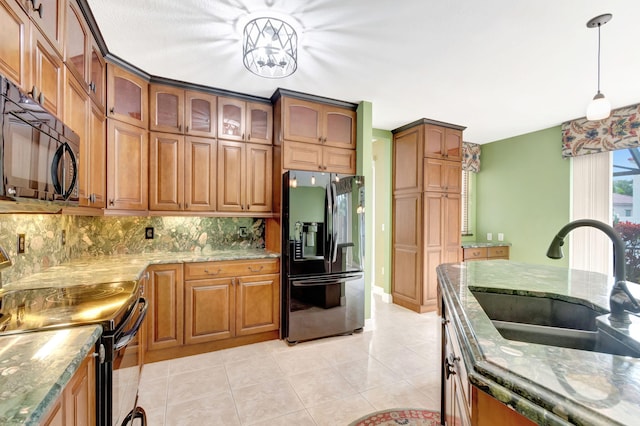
33	371
548	384
31	382
126	267
479	244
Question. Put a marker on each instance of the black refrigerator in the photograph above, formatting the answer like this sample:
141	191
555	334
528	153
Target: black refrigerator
322	255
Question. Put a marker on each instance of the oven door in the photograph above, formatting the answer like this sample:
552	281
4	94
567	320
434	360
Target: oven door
127	368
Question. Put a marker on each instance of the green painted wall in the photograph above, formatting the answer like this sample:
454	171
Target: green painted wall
382	161
523	191
364	168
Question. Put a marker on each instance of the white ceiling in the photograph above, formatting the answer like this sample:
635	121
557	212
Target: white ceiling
500	67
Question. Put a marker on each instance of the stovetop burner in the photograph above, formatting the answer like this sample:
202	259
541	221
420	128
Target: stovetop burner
53	307
82	293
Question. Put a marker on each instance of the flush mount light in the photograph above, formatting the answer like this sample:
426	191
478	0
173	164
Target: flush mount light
270	48
600	107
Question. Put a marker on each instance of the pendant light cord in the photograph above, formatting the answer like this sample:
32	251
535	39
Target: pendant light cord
599	25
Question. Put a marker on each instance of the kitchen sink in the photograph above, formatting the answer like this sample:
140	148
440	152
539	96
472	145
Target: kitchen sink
553	322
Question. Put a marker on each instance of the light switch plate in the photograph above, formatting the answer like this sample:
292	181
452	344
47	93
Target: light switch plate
489	236
500	236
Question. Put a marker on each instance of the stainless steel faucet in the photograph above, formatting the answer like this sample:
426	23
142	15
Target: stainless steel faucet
620	300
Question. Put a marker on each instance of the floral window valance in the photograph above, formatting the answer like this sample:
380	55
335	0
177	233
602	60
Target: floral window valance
470	157
619	131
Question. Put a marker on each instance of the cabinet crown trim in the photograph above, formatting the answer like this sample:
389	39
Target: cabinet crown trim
428	121
279	93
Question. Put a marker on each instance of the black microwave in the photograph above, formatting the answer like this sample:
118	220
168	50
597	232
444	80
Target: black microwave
38	152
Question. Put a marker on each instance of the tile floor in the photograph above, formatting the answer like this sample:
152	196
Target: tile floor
331	381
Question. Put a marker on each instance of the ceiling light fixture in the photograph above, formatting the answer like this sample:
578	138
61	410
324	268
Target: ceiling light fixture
600	107
270	48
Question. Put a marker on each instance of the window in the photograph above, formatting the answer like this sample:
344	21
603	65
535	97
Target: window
625	203
464	208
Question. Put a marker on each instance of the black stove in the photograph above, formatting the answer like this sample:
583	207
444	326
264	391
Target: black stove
120	309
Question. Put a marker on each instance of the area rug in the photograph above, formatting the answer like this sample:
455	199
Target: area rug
400	416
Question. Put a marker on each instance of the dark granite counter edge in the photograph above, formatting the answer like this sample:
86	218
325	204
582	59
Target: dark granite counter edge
42	409
533	402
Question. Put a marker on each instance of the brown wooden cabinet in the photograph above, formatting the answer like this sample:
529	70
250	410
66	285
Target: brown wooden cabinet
441	239
244	177
82	55
486	253
239	120
461	402
209	309
312	122
204	306
15	34
442	142
166	307
76	406
442	175
312	157
127	97
181	173
127	166
48	16
426	213
88	122
229	299
175	110
47	74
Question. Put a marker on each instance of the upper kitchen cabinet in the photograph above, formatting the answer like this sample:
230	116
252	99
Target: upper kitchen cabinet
245	121
442	142
181	173
82	55
127	166
174	110
15	34
47	74
312	122
127	97
244	177
48	16
88	122
408	160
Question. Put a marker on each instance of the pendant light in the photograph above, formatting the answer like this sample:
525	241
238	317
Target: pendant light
600	107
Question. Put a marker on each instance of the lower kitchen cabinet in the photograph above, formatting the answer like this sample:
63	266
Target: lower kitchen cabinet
165	312
205	306
208	310
462	403
76	405
485	253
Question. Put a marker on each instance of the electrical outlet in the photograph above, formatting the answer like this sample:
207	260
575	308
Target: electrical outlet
242	231
148	233
21	243
63	237
500	236
489	236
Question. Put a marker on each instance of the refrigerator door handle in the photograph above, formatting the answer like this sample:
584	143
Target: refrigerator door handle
334	219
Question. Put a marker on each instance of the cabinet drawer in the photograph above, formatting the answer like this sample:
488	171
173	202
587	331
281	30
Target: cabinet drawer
236	268
475	253
501	252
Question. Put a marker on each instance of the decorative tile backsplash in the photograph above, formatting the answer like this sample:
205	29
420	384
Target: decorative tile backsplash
92	236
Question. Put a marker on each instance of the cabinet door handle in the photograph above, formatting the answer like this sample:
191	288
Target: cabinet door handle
186	205
179	127
186	129
320	139
256	270
112	110
449	366
249	137
243	136
37	9
111	203
92	87
206	271
248	206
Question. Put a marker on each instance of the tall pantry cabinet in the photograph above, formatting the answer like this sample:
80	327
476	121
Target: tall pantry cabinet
427	169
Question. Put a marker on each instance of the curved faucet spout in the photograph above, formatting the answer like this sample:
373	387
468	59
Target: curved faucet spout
620	300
